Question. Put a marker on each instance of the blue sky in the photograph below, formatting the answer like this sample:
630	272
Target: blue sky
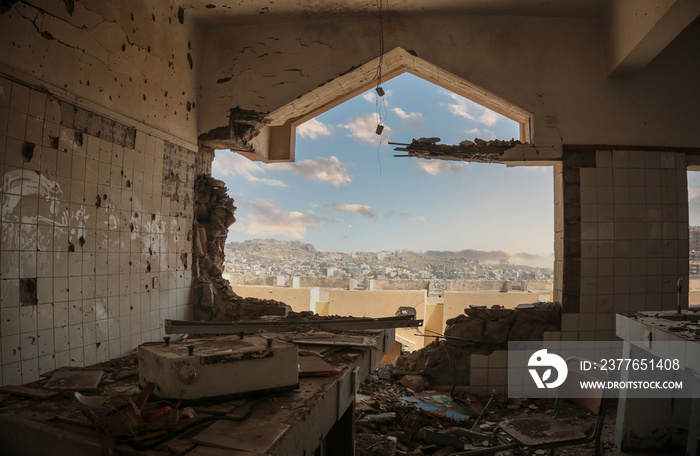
346	191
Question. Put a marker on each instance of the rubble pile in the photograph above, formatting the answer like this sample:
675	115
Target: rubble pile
215	299
385	425
388	422
446	361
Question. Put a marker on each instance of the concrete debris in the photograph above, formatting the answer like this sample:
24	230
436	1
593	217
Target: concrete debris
215	299
244	125
478	150
377	418
413	382
384	373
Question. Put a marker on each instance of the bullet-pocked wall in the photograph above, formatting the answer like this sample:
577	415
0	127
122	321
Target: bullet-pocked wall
96	234
98	158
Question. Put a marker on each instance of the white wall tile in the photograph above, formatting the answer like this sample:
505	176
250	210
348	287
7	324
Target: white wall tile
81	293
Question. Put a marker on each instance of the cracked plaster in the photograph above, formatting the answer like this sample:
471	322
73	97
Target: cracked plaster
124	55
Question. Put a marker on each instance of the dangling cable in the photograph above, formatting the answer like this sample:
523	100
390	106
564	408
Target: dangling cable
380	7
380	105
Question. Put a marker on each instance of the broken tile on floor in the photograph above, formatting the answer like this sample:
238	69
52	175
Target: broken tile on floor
249	435
313	366
86	380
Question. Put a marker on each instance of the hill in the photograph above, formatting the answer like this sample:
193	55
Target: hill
273	249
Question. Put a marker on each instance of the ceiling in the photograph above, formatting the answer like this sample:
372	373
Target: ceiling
256	11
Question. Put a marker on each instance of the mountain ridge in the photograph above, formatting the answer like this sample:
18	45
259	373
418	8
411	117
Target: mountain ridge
275	248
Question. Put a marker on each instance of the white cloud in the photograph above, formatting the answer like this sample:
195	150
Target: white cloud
360	209
329	170
483	133
694	194
472	111
364	128
313	129
232	164
419	219
412	117
435	167
269	220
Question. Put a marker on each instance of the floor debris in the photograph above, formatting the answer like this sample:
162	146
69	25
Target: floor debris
440	405
433	424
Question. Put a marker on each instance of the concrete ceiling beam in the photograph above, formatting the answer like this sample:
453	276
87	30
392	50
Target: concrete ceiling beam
638	30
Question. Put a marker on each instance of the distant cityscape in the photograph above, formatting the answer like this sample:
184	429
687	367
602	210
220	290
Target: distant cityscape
694	238
271	257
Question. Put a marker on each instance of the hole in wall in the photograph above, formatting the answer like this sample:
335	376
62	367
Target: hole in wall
28	292
347	193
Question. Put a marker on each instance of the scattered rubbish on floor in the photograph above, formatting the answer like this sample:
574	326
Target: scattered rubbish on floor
90	401
441	405
433	423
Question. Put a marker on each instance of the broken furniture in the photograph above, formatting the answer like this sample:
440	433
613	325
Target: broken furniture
214	367
316	417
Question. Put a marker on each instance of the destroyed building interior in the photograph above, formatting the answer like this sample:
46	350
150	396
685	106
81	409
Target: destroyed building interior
113	228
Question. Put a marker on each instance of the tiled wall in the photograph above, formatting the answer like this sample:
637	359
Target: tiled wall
488	373
95	235
626	231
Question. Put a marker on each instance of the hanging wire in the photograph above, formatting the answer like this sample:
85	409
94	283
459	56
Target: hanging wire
380	101
380	7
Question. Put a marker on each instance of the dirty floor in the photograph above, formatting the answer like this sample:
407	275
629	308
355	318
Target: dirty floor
388	425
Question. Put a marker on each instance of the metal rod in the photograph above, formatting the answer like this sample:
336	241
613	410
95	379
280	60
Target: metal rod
249	327
481	415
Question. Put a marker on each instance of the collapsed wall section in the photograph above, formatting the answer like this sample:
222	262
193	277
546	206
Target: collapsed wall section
473	351
214	297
